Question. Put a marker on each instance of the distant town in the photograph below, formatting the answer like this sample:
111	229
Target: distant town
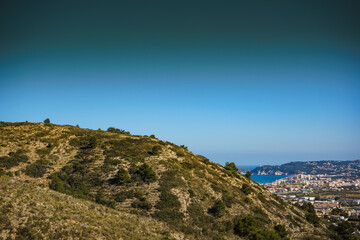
328	167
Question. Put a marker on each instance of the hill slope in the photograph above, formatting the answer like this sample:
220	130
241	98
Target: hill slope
181	195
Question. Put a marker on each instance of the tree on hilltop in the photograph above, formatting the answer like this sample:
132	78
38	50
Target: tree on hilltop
231	166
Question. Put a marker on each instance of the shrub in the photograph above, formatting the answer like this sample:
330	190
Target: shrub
218	209
47	120
100	197
345	230
57	184
312	218
110	161
131	149
13	159
243	226
37	169
246	189
168	200
187	165
138	194
310	215
76	179
123	195
116	130
25	233
170	179
143	173
169	216
281	230
264	234
121	177
191	193
184	147
44	151
195	210
156	150
249	227
248	175
142	204
228	199
179	152
84	143
231	167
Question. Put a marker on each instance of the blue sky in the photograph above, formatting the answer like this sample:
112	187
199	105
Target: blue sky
262	93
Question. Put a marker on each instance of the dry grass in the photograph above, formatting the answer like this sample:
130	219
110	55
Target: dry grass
32	212
36	210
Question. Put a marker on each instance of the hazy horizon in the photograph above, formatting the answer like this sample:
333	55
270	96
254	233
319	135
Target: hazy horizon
248	82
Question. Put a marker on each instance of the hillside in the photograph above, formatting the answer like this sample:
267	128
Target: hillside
62	181
346	168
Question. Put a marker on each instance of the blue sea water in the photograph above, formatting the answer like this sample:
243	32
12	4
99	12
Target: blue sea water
261	178
266	178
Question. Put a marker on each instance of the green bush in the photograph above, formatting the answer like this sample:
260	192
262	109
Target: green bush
195	210
243	226
57	184
264	234
131	149
310	215
143	173
13	159
170	179
191	193
250	227
179	152
121	177
156	150
345	230
77	179
100	197
228	199
123	195
84	143
168	200
281	230
231	167
110	161
218	209
169	216
246	189
141	203
138	194
37	169
26	233
47	120
248	175
116	130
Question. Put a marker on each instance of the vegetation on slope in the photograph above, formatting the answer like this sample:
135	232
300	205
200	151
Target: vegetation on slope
28	211
144	176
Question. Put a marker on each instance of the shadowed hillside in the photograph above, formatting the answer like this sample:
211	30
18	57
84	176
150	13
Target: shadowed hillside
111	184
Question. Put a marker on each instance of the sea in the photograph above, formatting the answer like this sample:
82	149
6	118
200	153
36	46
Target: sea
261	178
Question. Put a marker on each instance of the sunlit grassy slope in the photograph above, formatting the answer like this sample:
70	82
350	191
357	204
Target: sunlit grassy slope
64	181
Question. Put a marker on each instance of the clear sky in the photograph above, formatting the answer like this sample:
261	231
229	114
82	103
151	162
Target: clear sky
238	81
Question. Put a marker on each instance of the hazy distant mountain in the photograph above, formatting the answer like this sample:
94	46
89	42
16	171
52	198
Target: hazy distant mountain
330	167
63	182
